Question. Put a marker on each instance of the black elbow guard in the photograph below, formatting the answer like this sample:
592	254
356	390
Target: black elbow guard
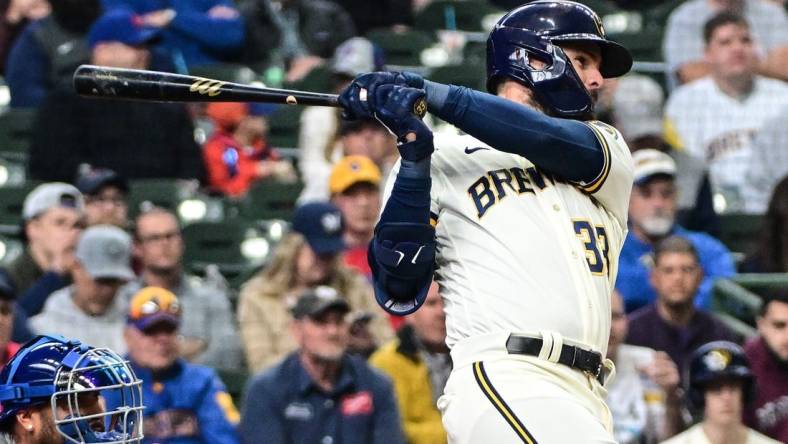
402	259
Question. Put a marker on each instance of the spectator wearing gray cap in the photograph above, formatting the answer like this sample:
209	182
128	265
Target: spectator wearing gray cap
52	221
88	309
638	105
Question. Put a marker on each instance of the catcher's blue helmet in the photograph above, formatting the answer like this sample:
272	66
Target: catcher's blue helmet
716	361
535	30
64	373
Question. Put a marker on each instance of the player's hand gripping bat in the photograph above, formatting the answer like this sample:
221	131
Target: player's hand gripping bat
134	84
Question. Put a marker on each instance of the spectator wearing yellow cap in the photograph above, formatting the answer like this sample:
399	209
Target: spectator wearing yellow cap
184	403
355	189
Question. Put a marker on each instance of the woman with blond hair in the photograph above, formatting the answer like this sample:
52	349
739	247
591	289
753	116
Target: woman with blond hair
307	257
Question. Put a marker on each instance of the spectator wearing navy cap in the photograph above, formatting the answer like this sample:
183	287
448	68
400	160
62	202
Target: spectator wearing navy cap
135	139
238	154
106	195
307	257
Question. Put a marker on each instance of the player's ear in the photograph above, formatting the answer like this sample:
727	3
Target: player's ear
25	420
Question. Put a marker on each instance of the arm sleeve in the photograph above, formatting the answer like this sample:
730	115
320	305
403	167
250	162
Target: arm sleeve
564	147
261	422
217	415
388	428
32	301
219	34
26	71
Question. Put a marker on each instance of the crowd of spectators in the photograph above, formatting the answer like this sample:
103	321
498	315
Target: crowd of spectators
325	363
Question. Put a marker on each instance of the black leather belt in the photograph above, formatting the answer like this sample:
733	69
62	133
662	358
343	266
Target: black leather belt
571	356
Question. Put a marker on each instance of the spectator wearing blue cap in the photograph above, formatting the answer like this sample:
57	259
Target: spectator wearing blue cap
238	154
197	33
73	130
307	257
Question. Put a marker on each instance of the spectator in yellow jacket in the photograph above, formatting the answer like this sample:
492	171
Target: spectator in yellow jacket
419	364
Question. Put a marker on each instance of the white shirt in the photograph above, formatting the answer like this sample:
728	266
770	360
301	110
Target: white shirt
696	435
519	251
720	129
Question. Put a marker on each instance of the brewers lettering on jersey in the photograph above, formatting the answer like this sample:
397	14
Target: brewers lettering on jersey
520	222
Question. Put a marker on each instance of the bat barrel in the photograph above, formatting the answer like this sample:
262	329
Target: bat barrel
94	81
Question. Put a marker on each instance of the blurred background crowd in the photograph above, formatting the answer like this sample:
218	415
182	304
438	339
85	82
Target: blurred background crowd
223	246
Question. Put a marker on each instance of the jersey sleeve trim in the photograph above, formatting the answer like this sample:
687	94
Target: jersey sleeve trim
433	219
597	183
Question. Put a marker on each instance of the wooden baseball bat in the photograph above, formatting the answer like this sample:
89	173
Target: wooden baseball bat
134	84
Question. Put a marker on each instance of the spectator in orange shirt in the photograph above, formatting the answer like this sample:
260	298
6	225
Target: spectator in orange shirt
238	154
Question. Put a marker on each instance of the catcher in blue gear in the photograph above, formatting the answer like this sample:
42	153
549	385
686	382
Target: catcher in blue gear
58	391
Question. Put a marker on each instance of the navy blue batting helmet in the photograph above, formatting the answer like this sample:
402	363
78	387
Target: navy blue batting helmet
717	361
535	30
94	395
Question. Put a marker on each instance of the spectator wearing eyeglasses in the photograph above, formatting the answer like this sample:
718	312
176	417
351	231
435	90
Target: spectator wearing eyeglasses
89	309
52	222
184	403
7	296
209	334
106	197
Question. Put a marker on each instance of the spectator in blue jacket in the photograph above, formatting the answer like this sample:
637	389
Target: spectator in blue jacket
652	216
184	403
195	32
320	394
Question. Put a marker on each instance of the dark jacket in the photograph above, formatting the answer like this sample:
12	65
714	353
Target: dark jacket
323	25
135	139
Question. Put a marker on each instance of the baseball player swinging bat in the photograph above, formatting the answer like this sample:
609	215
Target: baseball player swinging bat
135	84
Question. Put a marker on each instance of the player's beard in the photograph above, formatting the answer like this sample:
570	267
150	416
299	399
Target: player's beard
657	225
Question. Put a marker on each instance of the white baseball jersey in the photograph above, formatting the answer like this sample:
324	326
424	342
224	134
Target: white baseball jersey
520	250
720	129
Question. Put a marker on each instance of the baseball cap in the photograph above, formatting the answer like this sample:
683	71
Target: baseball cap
51	195
637	107
121	25
649	163
352	170
94	180
355	56
317	301
154	305
321	225
105	251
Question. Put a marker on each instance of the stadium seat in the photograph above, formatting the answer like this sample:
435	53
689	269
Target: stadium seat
318	80
270	200
462	15
16	127
165	193
739	232
283	126
233	245
401	48
472	75
235	382
12	199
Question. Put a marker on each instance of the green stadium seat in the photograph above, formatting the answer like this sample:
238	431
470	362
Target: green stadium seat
283	126
234	246
270	200
318	80
165	193
11	246
16	129
472	75
460	15
235	382
401	48
739	232
12	199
